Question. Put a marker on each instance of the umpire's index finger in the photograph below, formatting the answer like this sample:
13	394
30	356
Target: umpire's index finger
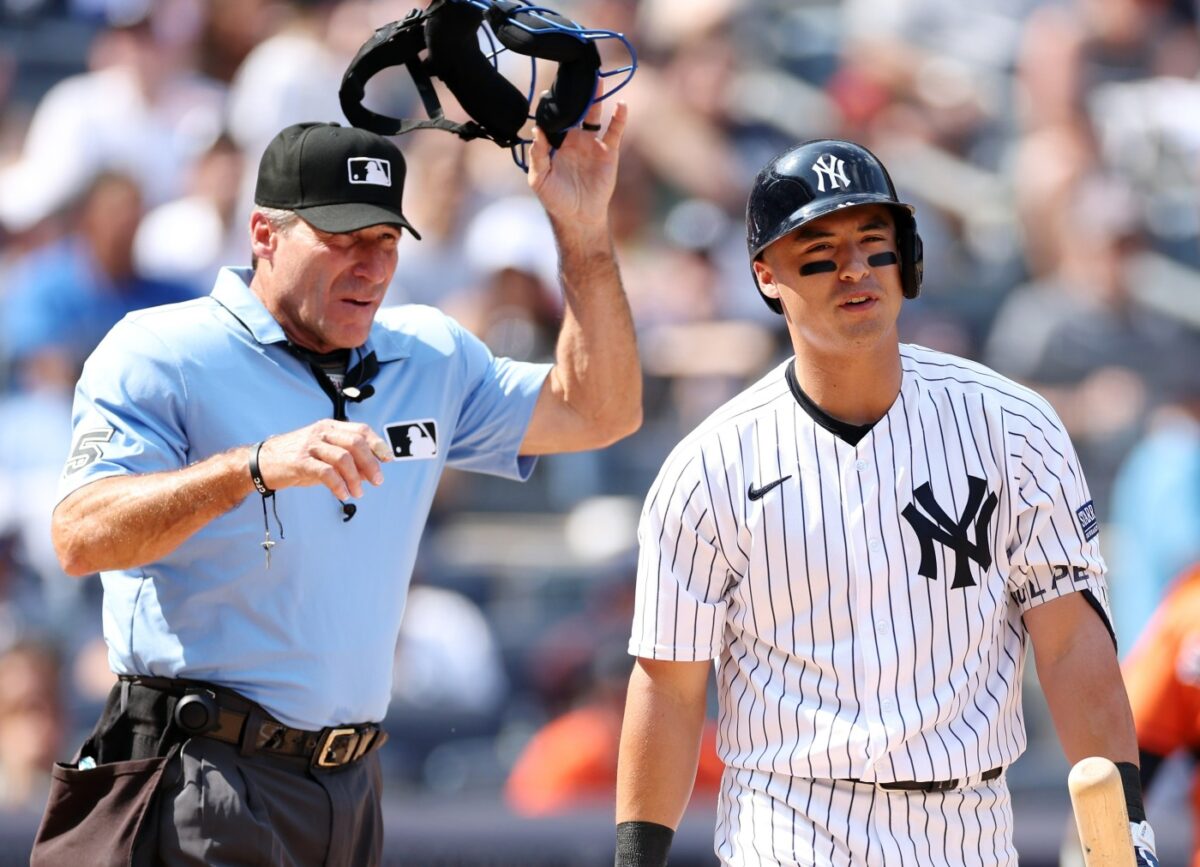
373	440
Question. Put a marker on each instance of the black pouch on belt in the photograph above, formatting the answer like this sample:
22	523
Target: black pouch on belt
101	804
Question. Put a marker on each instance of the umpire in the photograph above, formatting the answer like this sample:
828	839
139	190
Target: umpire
245	478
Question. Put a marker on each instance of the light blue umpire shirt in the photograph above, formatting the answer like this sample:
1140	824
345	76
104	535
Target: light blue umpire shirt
312	637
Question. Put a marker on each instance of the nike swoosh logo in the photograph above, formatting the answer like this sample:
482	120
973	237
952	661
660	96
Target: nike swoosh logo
757	493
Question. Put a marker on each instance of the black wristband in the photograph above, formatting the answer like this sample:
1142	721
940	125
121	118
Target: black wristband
1131	782
642	844
256	473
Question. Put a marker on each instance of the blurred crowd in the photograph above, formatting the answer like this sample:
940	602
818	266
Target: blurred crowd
1051	147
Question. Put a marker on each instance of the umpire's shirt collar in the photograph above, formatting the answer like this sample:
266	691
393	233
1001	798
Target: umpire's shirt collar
232	291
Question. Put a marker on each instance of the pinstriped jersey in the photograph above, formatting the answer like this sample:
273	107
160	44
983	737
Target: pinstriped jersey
864	602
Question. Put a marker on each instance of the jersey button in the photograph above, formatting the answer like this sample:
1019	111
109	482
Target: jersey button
861	466
887	705
874	544
883	626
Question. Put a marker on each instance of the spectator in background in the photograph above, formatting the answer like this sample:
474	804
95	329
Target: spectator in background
34	437
32	724
1079	336
140	111
67	295
1163	679
61	301
21	601
442	201
1072	54
1156	504
291	76
514	304
447	660
449	686
941	63
1069	49
571	762
229	31
683	93
188	239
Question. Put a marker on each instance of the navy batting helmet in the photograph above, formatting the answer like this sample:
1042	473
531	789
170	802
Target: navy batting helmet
818	177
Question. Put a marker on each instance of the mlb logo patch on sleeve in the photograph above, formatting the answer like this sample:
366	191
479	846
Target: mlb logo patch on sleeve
413	440
1087	520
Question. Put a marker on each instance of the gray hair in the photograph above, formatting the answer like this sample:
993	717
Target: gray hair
279	219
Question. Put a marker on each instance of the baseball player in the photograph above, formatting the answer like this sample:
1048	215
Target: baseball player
862	540
251	475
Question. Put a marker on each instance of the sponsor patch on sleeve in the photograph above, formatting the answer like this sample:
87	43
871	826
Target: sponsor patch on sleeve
1087	520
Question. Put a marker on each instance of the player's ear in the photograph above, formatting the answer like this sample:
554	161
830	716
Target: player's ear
765	275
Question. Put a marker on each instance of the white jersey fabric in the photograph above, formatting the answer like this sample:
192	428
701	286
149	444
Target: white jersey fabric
864	602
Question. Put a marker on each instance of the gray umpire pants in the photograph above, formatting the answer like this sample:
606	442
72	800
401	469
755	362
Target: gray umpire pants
218	808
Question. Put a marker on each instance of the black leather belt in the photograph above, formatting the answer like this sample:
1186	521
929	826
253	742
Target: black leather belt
933	785
207	711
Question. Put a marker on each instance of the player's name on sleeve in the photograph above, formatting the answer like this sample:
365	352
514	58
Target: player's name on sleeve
1033	588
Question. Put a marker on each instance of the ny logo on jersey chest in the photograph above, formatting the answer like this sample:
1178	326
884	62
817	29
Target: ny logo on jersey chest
934	525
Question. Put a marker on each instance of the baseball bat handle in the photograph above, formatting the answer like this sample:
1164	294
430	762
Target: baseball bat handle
1100	815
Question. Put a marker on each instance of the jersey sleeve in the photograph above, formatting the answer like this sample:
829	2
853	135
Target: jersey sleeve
1166	709
1054	545
679	609
498	403
128	416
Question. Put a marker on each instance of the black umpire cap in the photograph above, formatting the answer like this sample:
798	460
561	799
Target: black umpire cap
339	179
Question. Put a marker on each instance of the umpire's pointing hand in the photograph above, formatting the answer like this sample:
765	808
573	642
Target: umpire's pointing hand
340	455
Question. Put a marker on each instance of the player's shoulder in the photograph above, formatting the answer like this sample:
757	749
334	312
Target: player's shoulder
936	371
744	409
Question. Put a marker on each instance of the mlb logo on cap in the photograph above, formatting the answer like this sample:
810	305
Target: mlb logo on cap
370	170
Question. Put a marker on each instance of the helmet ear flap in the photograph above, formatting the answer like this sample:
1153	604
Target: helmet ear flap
456	58
912	255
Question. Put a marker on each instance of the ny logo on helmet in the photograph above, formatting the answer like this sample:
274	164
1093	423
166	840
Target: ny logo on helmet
829	166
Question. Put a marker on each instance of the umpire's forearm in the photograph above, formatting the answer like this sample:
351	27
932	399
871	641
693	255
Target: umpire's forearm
596	359
126	521
660	741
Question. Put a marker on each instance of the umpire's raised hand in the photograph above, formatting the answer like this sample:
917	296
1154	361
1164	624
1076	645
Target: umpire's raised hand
575	182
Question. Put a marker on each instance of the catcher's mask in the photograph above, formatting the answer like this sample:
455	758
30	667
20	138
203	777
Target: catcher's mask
448	31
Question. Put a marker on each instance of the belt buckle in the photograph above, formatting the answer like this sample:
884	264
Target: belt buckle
332	754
